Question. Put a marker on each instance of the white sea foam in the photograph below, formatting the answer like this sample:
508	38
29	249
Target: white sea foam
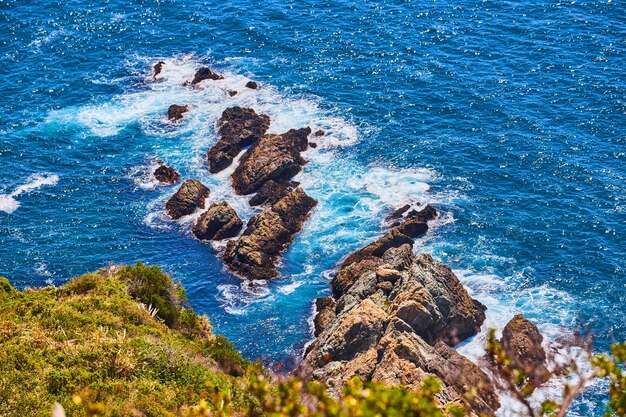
8	202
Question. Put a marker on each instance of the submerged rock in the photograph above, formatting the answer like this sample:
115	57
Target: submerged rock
205	73
521	341
219	222
252	85
189	197
166	175
274	157
238	127
272	191
254	254
175	112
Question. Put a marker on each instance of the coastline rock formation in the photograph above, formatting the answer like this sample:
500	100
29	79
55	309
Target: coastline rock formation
521	341
189	197
393	318
205	73
254	254
219	222
274	157
166	175
271	192
238	127
175	112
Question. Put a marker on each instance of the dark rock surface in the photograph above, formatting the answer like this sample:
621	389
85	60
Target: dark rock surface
252	85
175	112
238	127
166	175
189	197
521	341
254	254
205	73
219	222
157	68
274	157
272	191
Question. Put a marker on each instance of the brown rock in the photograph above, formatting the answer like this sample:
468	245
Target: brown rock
187	199
231	93
166	175
274	157
393	239
252	85
254	254
415	223
325	314
205	73
272	191
318	133
219	222
521	341
397	214
158	67
238	127
175	112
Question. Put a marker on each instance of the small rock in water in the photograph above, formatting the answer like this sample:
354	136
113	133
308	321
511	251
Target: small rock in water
175	112
398	213
252	84
313	145
205	73
158	67
318	133
166	175
189	197
219	222
231	93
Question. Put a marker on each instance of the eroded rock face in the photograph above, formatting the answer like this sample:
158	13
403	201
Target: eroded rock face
274	157
205	73
521	341
189	197
166	175
393	321
238	127
254	254
272	191
175	112
219	222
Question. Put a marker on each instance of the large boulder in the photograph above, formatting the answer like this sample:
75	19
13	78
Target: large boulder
254	254
521	341
189	197
219	222
238	127
166	175
175	112
205	73
274	157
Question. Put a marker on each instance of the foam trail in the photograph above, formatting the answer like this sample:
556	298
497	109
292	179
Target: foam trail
9	204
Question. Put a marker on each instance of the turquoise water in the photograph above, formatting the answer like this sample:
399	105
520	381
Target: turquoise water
508	116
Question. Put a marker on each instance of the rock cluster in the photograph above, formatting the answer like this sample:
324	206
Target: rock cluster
166	175
219	222
189	197
237	128
395	323
255	253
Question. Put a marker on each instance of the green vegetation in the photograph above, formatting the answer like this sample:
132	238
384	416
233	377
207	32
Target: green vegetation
120	342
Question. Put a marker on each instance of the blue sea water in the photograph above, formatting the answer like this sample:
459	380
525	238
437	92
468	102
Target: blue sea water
510	117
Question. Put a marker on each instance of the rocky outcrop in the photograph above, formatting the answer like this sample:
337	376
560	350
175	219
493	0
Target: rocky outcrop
166	175
205	73
157	68
521	341
219	222
175	112
394	321
274	157
188	198
252	85
254	254
238	127
272	191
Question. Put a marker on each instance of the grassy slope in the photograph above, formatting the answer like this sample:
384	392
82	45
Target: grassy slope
97	337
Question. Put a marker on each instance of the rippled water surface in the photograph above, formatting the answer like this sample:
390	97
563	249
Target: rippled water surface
510	117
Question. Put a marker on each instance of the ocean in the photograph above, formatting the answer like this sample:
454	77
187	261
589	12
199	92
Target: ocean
509	117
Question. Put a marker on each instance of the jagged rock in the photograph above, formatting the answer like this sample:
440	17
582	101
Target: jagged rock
175	112
274	157
415	222
521	341
166	175
318	133
158	67
205	73
238	127
397	214
231	93
187	199
252	85
393	320
219	222
272	191
254	254
325	307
